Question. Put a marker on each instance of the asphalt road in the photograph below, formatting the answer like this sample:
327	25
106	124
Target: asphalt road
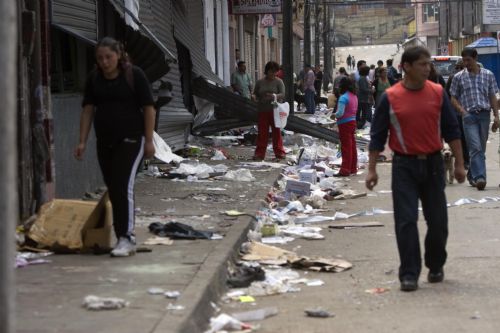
467	301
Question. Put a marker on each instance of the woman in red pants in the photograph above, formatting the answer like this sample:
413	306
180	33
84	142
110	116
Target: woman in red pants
346	121
264	93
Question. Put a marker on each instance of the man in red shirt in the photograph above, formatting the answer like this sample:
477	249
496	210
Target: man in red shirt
417	114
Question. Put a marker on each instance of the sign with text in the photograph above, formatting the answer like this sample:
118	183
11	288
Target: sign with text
244	7
491	12
268	20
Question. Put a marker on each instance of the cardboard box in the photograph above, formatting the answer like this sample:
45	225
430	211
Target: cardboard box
69	225
308	175
298	187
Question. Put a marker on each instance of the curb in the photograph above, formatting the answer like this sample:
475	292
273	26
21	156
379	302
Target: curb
207	285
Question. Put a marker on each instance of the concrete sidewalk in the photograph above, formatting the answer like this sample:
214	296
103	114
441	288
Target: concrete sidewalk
49	296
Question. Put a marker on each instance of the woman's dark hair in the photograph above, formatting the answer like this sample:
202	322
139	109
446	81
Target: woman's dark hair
469	52
413	54
347	84
364	70
271	65
433	74
117	47
342	70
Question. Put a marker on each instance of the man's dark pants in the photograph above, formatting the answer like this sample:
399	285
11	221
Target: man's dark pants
415	178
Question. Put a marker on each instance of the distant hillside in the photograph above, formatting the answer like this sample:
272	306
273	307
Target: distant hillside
382	25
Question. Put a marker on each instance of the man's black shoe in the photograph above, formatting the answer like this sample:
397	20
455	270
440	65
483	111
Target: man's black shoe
409	285
435	277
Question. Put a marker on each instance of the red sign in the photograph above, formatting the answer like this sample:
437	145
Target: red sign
250	7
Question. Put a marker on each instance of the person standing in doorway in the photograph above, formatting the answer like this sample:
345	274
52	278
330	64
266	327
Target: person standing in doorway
415	136
241	81
473	94
309	90
119	100
266	91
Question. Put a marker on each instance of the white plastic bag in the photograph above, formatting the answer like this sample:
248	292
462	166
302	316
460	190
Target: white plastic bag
280	112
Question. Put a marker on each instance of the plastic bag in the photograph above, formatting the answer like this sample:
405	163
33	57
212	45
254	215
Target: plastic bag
280	112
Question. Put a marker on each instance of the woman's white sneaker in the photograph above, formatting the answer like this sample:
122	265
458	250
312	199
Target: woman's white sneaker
124	248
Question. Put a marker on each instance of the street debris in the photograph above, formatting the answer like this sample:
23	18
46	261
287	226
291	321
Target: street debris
243	275
246	299
476	315
24	259
178	230
358	224
163	151
225	322
174	294
240	175
270	255
318	313
175	307
256	315
158	241
96	303
377	291
156	291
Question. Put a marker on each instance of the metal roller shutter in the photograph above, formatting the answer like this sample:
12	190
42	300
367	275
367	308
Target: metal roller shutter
77	17
185	34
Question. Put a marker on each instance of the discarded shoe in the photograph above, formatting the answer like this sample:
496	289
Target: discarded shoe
409	285
125	247
436	276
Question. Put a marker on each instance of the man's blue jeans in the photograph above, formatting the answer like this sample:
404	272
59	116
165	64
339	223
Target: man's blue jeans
476	129
309	101
424	179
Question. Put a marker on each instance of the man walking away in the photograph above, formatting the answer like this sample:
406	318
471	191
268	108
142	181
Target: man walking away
348	61
241	81
459	66
473	94
363	92
309	90
392	73
416	134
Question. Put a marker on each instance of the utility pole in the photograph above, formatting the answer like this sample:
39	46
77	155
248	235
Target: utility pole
327	52
317	32
307	33
288	51
8	174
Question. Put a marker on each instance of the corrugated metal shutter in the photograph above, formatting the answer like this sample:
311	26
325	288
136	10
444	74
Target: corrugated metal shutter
196	18
185	34
77	17
174	121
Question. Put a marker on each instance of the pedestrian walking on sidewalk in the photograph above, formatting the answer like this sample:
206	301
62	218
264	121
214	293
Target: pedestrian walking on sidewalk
473	93
346	121
118	99
265	92
417	114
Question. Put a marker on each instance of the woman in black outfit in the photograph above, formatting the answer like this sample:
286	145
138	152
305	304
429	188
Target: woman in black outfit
119	100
